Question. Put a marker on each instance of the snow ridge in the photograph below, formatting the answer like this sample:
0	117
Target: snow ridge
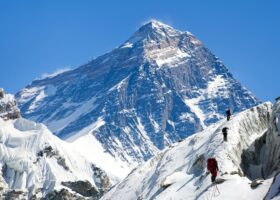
179	172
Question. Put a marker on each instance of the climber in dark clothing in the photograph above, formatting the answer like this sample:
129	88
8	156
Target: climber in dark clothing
224	130
228	114
212	166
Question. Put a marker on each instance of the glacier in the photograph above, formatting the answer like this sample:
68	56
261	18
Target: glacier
35	163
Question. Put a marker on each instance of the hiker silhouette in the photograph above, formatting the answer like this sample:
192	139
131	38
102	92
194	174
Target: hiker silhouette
225	132
228	114
212	166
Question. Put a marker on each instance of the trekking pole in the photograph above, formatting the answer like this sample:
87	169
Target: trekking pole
216	189
211	192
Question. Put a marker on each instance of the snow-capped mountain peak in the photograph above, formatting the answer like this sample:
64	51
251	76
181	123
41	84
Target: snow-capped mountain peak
153	31
159	87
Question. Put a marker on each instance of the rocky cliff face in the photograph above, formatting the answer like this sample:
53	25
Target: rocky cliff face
8	106
160	86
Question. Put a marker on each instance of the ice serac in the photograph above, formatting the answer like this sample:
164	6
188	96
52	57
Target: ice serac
36	164
159	86
180	171
266	160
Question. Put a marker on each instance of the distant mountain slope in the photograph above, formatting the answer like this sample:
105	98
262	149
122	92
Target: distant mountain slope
180	172
160	86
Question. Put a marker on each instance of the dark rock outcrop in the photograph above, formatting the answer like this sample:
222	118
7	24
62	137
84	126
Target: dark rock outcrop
63	194
50	152
8	106
84	188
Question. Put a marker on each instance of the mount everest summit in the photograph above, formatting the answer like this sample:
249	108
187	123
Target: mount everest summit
158	87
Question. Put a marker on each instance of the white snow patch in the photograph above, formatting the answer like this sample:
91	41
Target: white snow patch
171	123
127	111
40	93
168	56
93	150
216	86
120	85
174	178
186	117
29	93
88	130
82	110
155	124
22	124
142	130
195	41
145	136
127	130
38	98
194	106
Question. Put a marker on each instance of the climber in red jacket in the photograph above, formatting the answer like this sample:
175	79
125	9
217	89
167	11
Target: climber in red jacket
212	166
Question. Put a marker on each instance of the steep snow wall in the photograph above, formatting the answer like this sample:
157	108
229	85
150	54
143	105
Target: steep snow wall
179	172
271	153
272	157
262	158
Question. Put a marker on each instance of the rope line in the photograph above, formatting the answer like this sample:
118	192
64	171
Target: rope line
214	192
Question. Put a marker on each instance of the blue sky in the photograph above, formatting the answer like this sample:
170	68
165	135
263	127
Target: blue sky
38	37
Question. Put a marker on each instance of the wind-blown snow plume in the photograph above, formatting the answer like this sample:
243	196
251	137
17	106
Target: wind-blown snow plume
55	73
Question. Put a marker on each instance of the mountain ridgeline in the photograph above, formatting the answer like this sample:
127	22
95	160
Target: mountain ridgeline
158	87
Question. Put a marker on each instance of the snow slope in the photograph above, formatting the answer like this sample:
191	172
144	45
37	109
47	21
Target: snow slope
178	173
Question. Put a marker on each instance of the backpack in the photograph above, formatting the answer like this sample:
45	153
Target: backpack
212	164
228	112
224	130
